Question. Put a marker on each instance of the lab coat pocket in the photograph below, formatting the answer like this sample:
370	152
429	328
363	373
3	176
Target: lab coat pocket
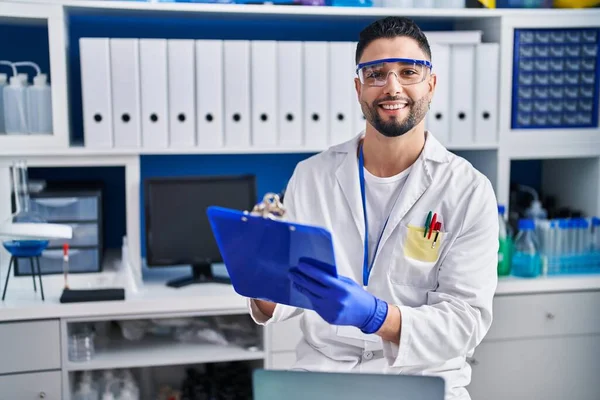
416	257
421	247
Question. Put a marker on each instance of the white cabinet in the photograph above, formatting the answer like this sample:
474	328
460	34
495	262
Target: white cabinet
40	385
539	368
540	346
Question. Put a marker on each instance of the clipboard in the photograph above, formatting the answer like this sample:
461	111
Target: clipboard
259	252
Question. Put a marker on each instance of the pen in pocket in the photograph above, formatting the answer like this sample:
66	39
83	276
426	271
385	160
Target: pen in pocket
436	228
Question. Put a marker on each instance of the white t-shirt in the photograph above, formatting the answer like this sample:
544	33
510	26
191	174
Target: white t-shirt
381	194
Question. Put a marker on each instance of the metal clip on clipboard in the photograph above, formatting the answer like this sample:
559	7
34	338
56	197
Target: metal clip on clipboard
270	207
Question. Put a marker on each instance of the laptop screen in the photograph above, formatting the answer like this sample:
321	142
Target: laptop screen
299	385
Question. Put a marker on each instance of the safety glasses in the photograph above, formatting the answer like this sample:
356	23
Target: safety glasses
407	71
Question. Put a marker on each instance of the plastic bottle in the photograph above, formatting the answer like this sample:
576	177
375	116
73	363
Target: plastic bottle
15	106
39	105
526	261
85	391
505	244
3	78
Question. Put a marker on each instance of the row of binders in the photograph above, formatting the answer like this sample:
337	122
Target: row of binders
163	93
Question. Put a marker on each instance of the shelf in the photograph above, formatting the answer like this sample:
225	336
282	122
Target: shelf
549	284
152	352
102	7
76	151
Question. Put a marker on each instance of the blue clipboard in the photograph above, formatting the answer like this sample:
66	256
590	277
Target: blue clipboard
259	252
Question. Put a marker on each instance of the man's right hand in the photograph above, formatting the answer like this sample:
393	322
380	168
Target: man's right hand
265	307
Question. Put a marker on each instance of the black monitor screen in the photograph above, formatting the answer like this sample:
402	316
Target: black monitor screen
177	227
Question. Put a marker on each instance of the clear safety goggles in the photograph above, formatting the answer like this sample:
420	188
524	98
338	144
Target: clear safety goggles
407	71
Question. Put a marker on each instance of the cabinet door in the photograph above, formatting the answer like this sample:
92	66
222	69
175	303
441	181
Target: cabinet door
39	385
543	368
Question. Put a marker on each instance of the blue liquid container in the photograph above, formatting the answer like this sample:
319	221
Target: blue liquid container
526	261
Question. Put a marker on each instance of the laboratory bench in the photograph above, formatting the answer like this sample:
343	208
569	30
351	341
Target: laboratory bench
544	342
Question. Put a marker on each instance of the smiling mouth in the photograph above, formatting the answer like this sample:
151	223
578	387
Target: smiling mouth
393	106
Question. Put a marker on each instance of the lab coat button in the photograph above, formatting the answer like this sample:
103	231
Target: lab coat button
368	355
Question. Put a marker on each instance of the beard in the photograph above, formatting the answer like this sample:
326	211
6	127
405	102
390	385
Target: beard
393	127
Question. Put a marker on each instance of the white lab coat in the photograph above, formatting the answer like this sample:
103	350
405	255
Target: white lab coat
446	305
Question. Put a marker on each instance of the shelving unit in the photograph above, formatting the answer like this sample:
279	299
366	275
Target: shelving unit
150	352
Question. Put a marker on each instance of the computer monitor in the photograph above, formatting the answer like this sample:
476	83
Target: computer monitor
177	227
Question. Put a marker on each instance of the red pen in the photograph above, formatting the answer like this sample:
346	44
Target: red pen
432	225
438	228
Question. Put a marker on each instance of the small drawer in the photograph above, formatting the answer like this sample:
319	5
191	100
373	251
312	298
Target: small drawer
51	262
588	78
590	50
570	119
590	36
286	335
557	36
542	37
524	119
526	37
39	385
29	346
539	315
526	51
555	106
56	209
541	51
570	105
84	234
554	119
573	36
588	64
525	106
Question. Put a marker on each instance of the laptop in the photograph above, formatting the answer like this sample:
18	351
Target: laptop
300	385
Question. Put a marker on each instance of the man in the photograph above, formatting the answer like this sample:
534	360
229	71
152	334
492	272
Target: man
416	296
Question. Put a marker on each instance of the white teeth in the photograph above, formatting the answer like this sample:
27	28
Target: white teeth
393	106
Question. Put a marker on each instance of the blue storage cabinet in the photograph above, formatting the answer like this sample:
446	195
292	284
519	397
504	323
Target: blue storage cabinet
555	78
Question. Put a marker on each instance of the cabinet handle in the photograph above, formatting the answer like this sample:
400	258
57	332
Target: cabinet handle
42	395
550	316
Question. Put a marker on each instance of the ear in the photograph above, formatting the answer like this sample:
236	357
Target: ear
432	83
357	87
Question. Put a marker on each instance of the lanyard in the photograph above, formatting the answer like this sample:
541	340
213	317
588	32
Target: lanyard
361	174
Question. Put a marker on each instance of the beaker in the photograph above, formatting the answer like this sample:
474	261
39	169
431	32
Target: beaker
23	247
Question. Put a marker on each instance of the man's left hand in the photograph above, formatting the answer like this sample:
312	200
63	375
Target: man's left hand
338	300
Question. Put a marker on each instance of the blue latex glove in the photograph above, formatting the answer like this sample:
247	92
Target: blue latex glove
338	300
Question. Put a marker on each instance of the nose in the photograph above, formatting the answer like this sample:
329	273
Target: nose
393	86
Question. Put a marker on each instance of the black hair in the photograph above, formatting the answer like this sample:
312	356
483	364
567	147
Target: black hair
391	27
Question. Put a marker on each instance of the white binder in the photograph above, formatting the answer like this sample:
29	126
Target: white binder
359	120
125	83
154	92
462	69
487	76
237	93
290	85
182	87
341	92
96	92
438	116
209	93
263	58
316	95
